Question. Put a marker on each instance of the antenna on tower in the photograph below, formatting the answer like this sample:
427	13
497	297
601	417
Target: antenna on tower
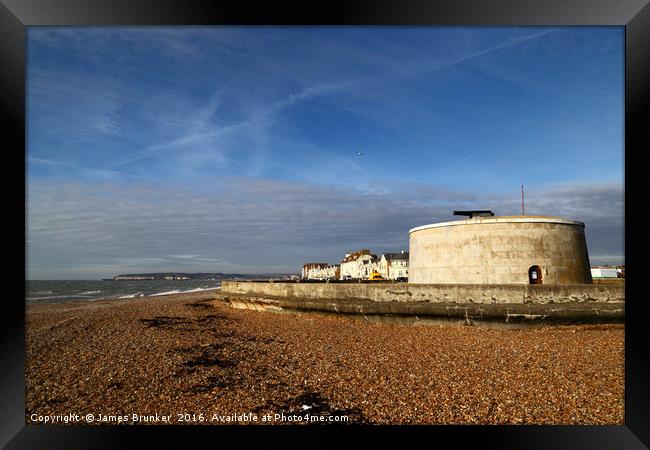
522	200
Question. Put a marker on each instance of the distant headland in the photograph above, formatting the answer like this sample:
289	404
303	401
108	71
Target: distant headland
193	276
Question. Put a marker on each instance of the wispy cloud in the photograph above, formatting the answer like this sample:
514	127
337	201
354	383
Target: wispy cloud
508	43
204	134
172	127
62	168
93	106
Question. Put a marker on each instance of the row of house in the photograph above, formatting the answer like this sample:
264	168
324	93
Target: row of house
608	272
359	265
321	271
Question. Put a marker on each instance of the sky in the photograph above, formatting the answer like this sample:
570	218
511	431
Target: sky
258	149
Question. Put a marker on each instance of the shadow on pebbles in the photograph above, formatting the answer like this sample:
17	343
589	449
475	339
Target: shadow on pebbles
233	360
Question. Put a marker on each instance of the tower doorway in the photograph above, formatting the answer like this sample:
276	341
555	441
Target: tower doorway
535	275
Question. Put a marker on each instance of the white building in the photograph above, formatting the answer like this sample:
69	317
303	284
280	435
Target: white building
604	272
394	265
308	268
330	272
358	265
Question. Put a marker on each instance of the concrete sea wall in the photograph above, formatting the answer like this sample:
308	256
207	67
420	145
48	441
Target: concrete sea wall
431	293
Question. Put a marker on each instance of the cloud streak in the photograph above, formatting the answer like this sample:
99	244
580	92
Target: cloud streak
206	143
203	134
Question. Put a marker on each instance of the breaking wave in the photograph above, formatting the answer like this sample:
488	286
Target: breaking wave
178	291
137	294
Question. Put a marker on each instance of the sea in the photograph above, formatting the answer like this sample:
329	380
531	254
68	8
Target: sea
57	291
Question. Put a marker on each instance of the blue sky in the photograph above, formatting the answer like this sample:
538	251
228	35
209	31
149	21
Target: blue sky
236	149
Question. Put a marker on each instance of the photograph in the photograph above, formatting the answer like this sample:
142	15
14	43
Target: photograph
325	225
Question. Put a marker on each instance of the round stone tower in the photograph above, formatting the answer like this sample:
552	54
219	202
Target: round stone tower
500	250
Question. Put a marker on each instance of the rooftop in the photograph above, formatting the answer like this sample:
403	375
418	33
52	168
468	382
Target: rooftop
396	256
501	219
475	213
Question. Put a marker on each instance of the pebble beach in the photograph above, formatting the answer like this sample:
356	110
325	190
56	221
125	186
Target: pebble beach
193	359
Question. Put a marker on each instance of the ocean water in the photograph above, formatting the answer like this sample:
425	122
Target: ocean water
37	291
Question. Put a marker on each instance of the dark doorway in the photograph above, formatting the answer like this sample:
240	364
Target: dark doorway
535	275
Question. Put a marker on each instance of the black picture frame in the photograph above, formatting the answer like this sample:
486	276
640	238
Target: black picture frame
634	15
